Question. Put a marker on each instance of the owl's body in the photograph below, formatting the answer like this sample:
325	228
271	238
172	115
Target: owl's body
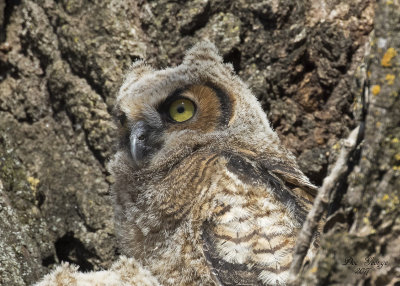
205	193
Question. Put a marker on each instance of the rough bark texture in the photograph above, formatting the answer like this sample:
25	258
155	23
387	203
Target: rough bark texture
61	63
361	243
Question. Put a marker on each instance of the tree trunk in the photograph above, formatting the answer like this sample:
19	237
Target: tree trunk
361	240
62	62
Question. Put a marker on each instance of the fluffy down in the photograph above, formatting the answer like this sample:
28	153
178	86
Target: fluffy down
124	272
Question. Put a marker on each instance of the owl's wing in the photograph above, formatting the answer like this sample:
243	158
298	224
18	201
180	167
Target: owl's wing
290	175
250	239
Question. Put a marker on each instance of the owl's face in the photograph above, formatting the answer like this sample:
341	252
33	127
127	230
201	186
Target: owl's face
167	114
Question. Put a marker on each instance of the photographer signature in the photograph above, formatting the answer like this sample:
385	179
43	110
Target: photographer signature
364	267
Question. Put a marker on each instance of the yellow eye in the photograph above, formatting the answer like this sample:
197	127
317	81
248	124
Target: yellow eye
181	110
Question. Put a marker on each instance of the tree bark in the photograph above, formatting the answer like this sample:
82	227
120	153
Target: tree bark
62	62
361	243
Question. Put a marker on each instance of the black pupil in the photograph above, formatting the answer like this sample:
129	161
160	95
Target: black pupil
180	109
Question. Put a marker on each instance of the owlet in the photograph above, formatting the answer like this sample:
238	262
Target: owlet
205	193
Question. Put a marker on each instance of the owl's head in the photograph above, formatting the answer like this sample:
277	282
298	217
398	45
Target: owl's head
167	114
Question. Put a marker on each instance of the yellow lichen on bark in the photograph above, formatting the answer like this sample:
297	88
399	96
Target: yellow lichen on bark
376	89
33	182
390	78
387	57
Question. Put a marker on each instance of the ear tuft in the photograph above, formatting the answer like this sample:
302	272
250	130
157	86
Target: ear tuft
202	51
137	70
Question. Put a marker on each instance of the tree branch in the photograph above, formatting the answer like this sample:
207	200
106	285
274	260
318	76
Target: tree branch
320	203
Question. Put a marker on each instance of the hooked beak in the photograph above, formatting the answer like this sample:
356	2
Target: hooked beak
137	142
143	142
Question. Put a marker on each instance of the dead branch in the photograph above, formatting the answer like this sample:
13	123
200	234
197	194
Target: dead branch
321	201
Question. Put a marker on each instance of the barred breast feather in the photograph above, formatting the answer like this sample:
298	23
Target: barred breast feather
250	238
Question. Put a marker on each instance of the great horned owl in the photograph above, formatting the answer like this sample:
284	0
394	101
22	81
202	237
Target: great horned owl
205	193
